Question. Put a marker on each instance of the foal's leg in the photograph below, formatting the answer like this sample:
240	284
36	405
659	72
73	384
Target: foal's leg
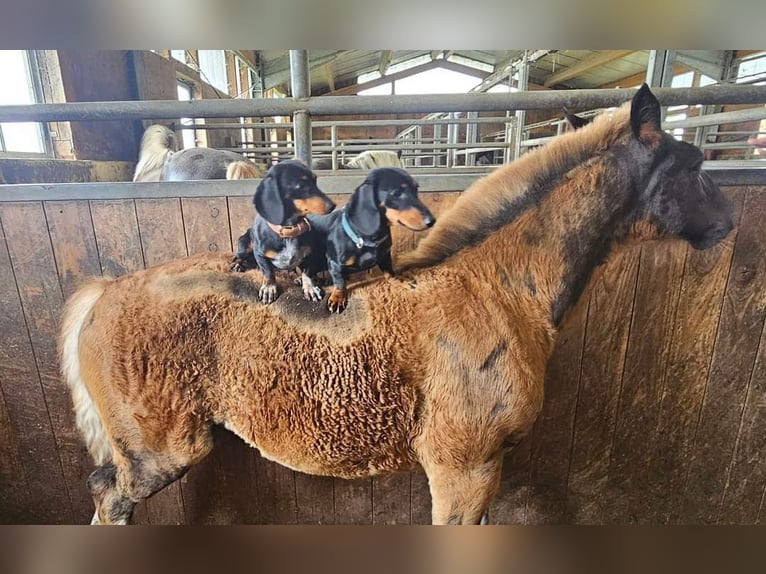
463	495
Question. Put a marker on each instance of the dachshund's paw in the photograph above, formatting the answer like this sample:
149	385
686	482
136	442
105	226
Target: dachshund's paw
237	265
313	294
268	293
337	301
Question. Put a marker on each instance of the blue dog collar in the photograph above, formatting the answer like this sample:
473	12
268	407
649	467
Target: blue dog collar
358	240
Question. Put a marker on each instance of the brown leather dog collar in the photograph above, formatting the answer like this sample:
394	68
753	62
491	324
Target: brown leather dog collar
291	231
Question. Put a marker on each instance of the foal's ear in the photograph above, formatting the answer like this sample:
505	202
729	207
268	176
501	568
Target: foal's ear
268	201
645	117
574	120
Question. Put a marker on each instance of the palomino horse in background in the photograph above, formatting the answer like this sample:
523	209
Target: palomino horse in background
368	160
159	160
440	370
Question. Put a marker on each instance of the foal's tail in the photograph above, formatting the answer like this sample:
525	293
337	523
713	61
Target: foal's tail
76	311
244	169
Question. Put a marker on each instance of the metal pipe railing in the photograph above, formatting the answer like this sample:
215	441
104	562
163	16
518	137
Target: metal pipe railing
357	105
301	87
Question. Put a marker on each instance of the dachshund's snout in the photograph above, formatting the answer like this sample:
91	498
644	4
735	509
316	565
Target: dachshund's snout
329	204
428	220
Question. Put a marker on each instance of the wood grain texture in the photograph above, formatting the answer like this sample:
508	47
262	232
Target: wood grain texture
34	268
74	242
659	281
732	363
552	435
115	226
206	225
606	341
690	349
353	501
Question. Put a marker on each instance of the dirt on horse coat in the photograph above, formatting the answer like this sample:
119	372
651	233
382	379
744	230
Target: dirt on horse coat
441	368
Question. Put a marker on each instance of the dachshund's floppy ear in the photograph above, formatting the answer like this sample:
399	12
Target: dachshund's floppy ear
268	201
363	209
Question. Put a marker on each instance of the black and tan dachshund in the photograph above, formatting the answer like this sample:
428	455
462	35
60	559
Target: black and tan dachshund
279	237
358	237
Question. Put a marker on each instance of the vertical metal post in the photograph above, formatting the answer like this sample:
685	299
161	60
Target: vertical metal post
418	139
301	88
521	115
435	162
470	138
451	139
334	144
659	70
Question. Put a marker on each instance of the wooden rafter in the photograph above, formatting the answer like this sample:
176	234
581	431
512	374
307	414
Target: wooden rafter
586	65
330	76
637	79
385	61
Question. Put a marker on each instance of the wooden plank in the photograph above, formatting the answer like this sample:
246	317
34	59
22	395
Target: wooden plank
15	500
353	501
747	475
116	229
38	404
606	340
222	489
160	224
659	282
552	435
391	499
732	363
276	493
314	499
509	506
241	215
206	224
691	346
420	499
74	242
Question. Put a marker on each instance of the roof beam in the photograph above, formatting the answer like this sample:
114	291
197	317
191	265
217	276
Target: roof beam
282	76
586	65
385	61
435	54
356	88
639	78
503	70
330	76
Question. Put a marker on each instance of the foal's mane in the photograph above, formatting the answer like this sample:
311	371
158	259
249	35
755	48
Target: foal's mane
485	205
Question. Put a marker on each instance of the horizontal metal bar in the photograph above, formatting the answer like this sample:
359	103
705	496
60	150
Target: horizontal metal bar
723	172
346	123
735	116
353	105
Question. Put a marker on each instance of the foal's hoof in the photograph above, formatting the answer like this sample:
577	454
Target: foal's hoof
268	293
337	301
312	293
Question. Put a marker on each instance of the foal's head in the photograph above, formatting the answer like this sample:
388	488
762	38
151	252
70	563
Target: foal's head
675	196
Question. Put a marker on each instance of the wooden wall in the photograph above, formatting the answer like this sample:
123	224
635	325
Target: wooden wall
654	408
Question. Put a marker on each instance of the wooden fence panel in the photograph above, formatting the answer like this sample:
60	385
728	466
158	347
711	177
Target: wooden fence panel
733	359
34	269
664	337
